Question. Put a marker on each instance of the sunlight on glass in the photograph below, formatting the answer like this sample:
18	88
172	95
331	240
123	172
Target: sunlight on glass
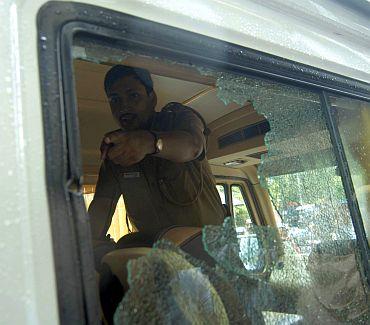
221	192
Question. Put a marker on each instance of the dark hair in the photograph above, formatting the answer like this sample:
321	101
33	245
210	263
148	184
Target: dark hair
119	71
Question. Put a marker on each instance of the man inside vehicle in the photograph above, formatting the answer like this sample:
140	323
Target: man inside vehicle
155	160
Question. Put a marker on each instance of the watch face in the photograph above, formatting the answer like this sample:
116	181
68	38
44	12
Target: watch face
159	145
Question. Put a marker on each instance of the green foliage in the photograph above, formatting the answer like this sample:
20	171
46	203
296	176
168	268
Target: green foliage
316	187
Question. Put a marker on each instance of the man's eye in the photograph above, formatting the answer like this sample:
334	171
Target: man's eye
114	100
134	95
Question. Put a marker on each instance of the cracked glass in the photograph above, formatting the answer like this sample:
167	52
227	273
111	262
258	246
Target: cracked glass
317	277
304	271
307	270
168	286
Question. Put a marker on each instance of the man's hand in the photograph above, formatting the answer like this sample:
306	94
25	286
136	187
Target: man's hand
126	148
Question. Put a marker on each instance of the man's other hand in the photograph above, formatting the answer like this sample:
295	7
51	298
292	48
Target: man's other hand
126	148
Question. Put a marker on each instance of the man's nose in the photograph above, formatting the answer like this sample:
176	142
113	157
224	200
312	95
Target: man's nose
124	105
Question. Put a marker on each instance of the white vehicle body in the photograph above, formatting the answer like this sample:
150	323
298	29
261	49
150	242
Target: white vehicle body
319	33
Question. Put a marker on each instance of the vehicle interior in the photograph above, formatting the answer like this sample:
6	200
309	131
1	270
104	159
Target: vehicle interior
236	146
230	153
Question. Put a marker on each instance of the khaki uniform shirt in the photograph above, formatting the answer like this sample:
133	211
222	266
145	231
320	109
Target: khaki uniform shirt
159	193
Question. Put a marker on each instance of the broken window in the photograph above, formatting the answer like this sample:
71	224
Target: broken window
305	270
301	174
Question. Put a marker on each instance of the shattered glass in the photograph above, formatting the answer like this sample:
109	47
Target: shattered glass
242	254
169	286
304	272
300	173
104	52
89	50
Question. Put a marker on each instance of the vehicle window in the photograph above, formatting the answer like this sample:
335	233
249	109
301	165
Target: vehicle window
221	188
353	120
242	217
261	274
301	174
306	270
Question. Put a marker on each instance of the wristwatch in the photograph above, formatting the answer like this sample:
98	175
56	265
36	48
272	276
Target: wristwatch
158	143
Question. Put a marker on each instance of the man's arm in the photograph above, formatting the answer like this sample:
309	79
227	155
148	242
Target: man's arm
103	205
181	145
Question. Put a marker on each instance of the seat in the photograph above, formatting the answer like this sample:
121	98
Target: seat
117	261
114	282
189	239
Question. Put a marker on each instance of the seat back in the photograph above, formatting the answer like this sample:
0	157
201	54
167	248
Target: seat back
189	239
114	282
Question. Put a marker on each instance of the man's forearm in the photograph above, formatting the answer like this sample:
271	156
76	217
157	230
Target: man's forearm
128	148
180	146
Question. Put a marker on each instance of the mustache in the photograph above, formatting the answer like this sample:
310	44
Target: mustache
127	116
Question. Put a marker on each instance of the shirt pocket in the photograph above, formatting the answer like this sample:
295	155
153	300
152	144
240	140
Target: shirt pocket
180	183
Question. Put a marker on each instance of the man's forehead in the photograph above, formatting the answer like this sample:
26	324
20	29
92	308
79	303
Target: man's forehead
126	83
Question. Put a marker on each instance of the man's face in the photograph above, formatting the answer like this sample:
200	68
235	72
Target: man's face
130	104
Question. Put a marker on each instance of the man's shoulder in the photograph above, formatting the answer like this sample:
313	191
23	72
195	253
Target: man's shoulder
174	108
179	111
175	116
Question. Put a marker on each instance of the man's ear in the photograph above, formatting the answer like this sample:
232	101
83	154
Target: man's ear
153	98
